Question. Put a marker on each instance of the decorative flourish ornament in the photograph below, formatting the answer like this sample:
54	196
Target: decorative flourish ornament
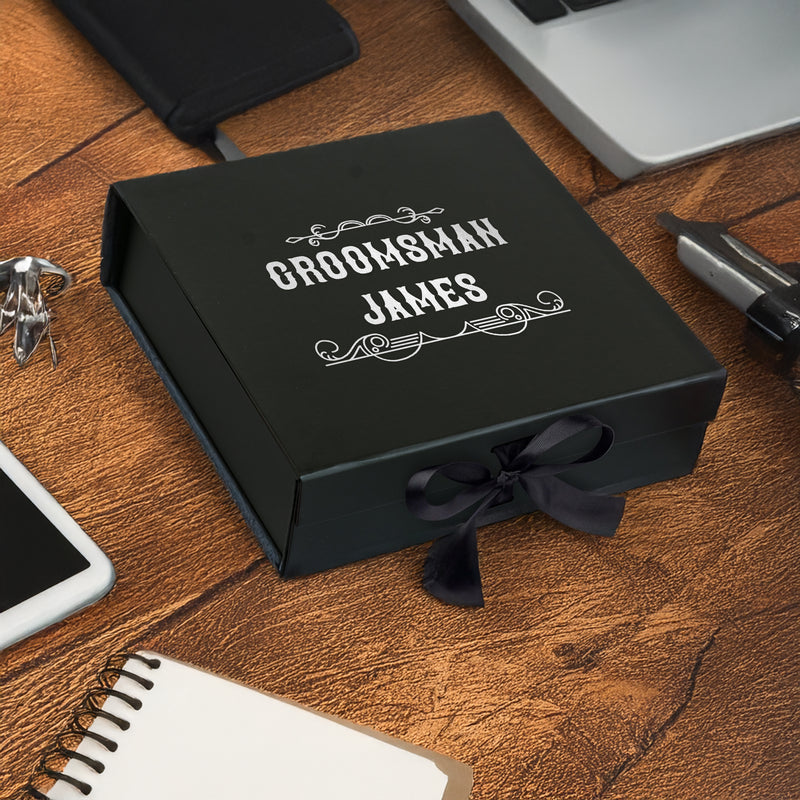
405	215
509	319
25	306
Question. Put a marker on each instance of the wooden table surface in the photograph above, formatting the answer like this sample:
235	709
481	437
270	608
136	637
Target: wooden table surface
659	664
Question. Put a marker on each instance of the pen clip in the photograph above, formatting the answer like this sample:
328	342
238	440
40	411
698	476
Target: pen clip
715	239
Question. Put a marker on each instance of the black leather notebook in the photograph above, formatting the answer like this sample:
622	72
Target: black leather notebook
197	62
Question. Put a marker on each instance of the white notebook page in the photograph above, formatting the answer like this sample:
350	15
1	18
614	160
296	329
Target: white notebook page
203	737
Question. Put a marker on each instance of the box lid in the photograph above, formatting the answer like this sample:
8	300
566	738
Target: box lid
386	292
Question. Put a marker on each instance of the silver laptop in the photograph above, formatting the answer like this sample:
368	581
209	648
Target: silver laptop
647	83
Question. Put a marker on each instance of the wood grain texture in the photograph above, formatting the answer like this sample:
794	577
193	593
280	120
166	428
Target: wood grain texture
658	664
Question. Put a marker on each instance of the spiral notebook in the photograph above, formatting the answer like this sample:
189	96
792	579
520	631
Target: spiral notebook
157	728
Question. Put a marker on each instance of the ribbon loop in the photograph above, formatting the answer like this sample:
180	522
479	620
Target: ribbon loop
475	476
451	570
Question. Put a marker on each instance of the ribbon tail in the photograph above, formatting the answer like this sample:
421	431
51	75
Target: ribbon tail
598	514
451	571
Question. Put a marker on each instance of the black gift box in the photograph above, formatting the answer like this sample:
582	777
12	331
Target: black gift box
333	319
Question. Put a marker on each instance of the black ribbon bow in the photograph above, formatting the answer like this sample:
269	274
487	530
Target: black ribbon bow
451	569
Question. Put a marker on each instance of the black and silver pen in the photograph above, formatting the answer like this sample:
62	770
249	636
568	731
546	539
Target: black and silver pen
769	295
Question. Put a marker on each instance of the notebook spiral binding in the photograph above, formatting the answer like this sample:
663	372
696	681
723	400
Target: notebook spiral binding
89	709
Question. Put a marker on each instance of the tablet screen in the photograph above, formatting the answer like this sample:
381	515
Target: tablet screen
34	555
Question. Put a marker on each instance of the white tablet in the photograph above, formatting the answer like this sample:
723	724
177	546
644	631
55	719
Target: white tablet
49	568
